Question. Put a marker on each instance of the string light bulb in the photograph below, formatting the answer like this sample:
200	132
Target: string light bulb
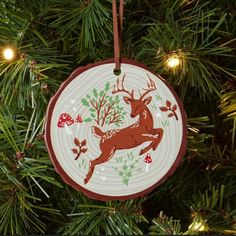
198	225
173	61
8	54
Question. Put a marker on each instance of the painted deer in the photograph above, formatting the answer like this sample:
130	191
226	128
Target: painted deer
132	136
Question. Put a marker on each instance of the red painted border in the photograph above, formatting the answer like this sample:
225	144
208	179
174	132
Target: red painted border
60	170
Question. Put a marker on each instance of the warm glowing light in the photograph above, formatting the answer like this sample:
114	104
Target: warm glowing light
198	226
173	61
8	54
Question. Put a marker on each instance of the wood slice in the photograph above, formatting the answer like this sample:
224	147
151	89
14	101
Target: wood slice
115	137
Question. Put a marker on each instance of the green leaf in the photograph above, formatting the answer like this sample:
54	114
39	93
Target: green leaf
88	120
125	167
101	93
85	102
107	86
95	93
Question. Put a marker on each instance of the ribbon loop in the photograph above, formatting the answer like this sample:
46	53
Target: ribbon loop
117	29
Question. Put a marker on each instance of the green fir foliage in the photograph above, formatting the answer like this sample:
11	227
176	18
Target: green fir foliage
110	218
51	38
165	226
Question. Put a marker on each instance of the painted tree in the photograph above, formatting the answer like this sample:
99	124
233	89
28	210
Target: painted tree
104	108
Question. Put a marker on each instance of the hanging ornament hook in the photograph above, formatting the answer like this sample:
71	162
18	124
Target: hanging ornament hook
117	29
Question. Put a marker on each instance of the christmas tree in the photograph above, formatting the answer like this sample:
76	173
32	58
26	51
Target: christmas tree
42	42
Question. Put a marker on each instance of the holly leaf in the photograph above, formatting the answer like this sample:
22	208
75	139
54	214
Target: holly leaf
164	109
168	103
85	102
74	150
83	150
76	142
171	114
174	108
83	143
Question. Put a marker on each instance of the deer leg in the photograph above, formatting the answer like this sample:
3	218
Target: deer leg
146	149
154	138
148	137
158	140
104	157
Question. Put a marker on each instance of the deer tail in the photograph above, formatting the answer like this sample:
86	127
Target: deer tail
97	132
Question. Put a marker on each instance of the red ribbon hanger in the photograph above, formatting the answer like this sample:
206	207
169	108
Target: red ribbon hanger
117	29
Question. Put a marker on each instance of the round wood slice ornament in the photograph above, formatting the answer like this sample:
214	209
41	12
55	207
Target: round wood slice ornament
115	137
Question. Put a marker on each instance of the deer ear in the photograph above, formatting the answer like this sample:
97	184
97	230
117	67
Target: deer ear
127	100
147	100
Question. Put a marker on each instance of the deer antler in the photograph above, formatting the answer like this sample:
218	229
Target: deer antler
151	87
116	88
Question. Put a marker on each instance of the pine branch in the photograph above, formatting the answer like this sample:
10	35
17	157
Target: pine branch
165	226
196	40
49	39
18	208
109	218
93	20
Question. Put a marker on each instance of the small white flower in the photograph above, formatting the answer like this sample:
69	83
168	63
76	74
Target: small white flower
72	101
158	114
74	109
102	168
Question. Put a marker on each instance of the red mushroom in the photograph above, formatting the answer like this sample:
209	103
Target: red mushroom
65	120
148	161
79	119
